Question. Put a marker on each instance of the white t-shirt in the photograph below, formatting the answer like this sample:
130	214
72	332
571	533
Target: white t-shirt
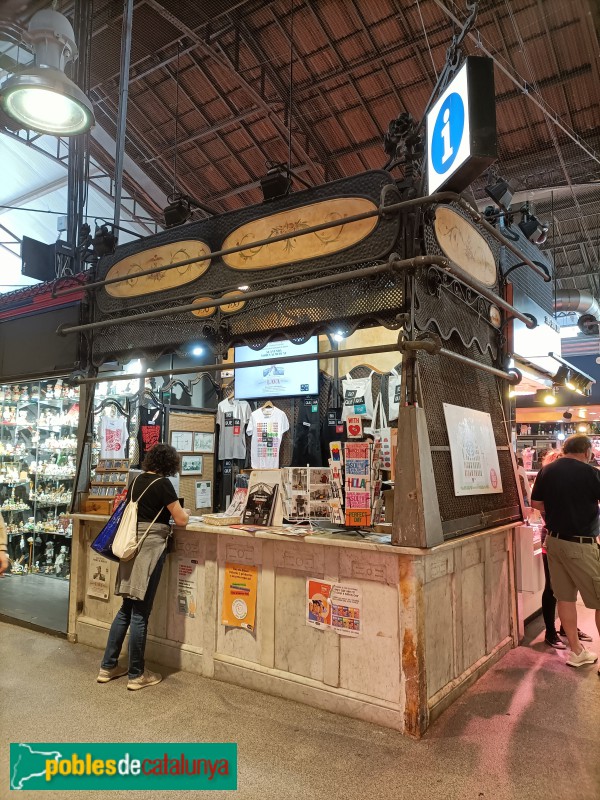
266	426
113	437
232	416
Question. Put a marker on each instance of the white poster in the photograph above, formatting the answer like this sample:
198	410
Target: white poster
475	466
203	494
346	612
187	587
98	576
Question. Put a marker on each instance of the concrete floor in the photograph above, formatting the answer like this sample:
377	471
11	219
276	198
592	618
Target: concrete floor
528	730
37	599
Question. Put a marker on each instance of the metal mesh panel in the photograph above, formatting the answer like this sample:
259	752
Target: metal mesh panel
444	380
450	306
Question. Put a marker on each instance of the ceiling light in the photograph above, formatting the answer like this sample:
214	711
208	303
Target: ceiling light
549	399
243	288
338	336
178	211
104	242
276	183
42	98
197	351
501	193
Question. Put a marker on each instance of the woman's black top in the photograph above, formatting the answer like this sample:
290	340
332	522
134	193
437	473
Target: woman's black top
159	495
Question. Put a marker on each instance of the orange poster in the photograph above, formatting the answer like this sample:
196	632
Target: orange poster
318	603
239	596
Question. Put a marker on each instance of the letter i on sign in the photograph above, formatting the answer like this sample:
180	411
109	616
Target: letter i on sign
448	149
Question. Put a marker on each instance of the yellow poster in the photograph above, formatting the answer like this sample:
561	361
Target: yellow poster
239	596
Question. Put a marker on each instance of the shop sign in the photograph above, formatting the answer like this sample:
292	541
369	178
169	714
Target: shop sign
461	128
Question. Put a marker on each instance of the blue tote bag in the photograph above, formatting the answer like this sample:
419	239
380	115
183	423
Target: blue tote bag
102	544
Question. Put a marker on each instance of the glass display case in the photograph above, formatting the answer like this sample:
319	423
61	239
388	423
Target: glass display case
38	445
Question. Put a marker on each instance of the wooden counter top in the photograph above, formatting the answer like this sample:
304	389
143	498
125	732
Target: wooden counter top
346	540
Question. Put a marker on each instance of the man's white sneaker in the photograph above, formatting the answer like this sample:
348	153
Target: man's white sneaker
147	679
581	659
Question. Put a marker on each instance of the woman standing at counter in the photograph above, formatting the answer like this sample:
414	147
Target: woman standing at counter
137	579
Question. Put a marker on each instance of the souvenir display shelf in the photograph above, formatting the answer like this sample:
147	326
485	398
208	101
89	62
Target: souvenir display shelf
38	444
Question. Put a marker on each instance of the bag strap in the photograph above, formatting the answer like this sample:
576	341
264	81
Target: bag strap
147	531
144	492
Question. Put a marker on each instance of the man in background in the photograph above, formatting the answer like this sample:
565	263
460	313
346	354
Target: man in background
566	493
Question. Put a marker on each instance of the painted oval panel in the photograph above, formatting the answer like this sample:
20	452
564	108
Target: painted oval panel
231	308
464	245
204	312
304	247
156	257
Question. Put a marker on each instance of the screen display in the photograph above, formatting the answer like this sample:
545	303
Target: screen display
277	380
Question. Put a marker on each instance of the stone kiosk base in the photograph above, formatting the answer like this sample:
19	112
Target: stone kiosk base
434	620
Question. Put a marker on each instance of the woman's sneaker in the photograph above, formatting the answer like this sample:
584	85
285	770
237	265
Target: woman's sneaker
106	675
554	640
147	679
581	659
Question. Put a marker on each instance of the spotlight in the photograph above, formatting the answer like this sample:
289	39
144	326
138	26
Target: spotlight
534	230
338	336
546	396
104	242
501	193
276	183
563	378
243	288
197	351
178	211
42	98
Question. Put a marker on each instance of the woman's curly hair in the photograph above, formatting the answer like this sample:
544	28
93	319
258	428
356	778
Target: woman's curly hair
162	459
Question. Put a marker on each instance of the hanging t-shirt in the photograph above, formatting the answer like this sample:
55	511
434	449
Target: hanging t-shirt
150	430
232	418
266	426
113	437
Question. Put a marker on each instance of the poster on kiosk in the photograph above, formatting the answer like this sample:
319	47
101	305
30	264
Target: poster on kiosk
475	466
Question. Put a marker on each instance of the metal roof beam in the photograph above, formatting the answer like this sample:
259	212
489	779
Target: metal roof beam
224	61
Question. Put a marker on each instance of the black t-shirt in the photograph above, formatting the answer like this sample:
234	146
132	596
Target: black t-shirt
570	491
159	495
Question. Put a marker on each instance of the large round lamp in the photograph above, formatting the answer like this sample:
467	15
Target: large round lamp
43	98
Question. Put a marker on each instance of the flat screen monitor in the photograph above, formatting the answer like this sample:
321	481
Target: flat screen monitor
277	380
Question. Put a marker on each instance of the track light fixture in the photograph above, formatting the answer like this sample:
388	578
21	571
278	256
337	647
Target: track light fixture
180	209
534	230
501	192
547	396
42	98
104	242
276	183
